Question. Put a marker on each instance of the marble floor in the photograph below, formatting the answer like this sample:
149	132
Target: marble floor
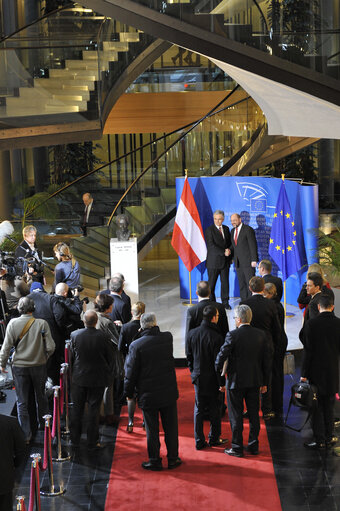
159	290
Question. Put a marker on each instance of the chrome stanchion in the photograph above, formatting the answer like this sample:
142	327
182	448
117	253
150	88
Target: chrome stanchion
68	360
21	506
62	455
35	488
64	373
52	490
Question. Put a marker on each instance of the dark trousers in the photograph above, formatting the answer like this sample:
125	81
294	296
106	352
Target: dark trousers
203	404
235	399
224	276
6	501
244	274
93	396
24	377
278	377
323	419
170	425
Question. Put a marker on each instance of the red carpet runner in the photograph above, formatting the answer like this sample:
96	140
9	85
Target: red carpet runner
207	479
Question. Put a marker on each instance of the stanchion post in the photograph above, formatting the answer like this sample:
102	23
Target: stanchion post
64	371
62	456
53	490
68	360
20	503
35	463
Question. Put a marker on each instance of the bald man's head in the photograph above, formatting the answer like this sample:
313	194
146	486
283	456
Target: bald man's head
61	289
90	318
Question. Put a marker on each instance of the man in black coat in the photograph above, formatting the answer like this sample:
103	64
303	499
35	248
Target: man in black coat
91	216
265	316
150	369
247	375
195	313
217	238
12	448
201	348
244	253
320	366
265	268
45	306
93	355
129	330
121	311
314	287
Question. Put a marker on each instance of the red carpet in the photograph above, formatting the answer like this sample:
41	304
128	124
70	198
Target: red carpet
207	479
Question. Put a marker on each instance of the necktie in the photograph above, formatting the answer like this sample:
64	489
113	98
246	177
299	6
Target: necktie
221	231
235	238
85	215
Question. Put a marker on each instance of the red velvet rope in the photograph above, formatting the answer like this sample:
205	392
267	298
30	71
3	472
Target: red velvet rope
61	393
32	488
47	440
22	505
337	397
55	417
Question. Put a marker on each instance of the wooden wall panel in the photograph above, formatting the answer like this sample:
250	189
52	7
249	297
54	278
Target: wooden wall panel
162	112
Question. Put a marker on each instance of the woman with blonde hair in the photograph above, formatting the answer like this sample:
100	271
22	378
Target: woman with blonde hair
67	270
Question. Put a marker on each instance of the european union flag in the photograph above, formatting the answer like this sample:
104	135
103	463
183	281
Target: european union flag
283	247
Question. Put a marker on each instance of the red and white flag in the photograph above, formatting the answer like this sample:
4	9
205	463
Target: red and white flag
187	238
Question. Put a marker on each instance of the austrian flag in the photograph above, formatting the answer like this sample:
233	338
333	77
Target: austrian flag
187	238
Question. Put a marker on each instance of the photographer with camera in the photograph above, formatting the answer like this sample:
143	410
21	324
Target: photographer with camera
67	310
67	270
30	256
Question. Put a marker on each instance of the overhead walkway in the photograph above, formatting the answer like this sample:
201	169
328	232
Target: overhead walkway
292	73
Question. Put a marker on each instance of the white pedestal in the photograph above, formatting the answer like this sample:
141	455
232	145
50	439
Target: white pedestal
124	259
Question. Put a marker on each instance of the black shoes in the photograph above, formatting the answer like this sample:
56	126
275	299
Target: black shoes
232	452
156	467
199	447
129	427
314	445
174	464
253	450
216	443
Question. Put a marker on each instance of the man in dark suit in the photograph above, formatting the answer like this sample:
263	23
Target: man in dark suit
195	313
93	356
150	369
12	448
265	268
244	253
248	373
314	290
217	238
320	366
121	311
265	317
90	215
201	348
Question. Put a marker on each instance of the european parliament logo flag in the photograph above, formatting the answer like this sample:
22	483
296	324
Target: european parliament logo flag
283	247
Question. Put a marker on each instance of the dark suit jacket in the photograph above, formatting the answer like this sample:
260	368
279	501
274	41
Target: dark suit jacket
216	246
150	368
278	284
246	249
195	316
121	310
127	335
201	348
248	358
24	250
93	356
321	354
12	448
95	217
265	317
44	306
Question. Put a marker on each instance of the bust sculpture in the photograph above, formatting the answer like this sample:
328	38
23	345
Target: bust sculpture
123	232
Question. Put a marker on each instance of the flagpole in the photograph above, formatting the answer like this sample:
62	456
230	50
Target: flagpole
285	303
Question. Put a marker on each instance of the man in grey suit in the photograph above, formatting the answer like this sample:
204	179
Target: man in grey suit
245	348
244	252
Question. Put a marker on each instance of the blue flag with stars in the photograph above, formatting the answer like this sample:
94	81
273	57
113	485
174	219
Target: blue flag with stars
283	247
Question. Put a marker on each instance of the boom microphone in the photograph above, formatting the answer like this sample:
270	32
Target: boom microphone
6	228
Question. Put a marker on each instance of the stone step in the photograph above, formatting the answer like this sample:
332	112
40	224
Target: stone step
64	83
115	46
81	64
61	94
73	74
103	57
129	37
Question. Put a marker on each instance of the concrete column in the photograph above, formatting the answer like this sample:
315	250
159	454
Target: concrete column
5	180
41	171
